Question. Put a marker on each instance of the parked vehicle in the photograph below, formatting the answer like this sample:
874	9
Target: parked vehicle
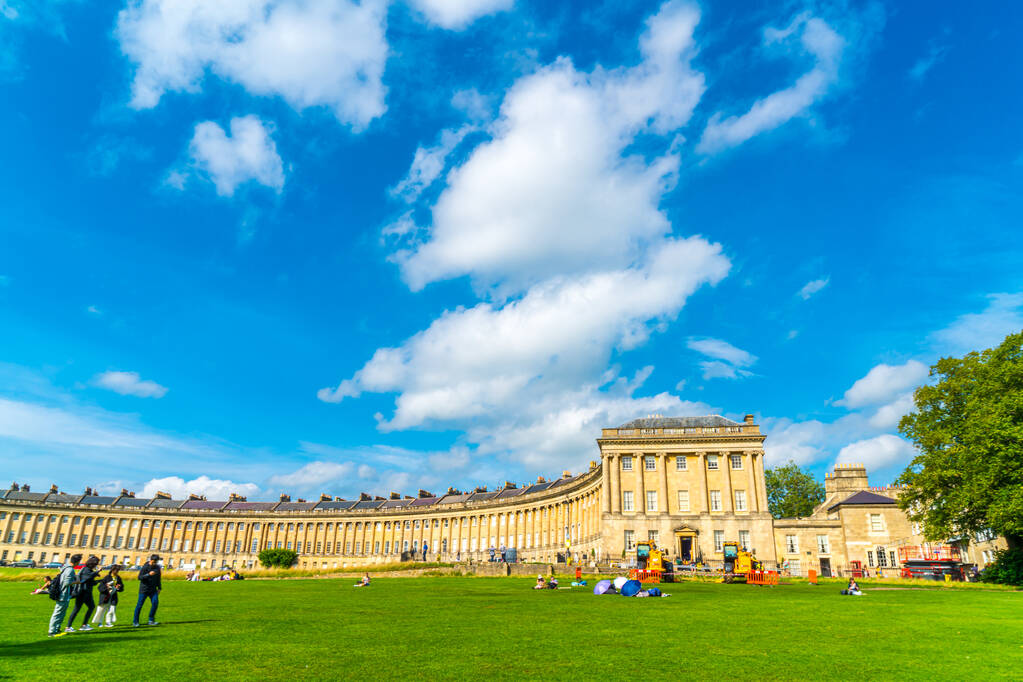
52	564
24	563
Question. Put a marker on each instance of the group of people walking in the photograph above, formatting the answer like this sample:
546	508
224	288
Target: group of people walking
78	586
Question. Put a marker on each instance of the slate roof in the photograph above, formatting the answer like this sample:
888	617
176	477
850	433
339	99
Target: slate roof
537	487
204	504
480	497
164	503
97	499
678	422
237	505
25	497
508	492
369	504
63	498
131	502
336	504
454	499
296	506
424	501
863	497
395	504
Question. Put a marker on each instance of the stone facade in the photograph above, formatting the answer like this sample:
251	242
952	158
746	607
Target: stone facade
690	483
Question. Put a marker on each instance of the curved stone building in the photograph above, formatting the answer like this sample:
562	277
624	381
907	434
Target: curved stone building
689	483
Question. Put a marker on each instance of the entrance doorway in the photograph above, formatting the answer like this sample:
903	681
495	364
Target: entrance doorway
825	568
685	549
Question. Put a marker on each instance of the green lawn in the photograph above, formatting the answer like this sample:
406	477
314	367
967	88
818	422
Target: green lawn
457	628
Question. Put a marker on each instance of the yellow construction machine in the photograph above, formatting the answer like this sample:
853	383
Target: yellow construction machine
648	557
739	562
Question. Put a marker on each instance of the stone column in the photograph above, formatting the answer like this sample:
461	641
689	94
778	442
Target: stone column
728	503
639	471
761	484
752	495
605	489
616	483
701	461
662	502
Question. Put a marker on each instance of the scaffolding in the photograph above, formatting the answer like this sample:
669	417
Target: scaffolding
928	552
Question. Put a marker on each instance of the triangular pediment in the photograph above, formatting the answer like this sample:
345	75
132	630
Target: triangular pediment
685	529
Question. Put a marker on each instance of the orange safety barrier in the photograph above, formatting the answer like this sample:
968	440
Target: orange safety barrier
812	575
645	576
762	578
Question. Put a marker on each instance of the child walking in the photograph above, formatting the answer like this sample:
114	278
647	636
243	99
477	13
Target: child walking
109	586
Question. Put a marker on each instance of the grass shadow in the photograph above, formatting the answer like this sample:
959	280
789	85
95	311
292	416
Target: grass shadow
62	645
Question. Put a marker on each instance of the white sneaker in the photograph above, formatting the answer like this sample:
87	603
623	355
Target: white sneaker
86	628
69	629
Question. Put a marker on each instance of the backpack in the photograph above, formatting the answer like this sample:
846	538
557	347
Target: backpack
54	589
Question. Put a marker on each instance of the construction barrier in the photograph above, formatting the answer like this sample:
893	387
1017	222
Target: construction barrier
812	575
645	576
762	578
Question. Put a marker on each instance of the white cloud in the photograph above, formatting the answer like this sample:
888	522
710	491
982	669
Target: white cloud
887	416
93	310
457	14
212	488
721	350
561	229
883	382
248	154
728	360
817	40
312	53
800	442
472	361
812	287
428	163
553	191
315	474
979	331
129	383
927	62
879	452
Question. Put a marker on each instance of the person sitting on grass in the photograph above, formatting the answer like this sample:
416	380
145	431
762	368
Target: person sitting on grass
45	587
541	584
552	584
364	582
853	588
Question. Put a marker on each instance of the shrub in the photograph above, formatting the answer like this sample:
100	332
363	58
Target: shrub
280	558
1007	568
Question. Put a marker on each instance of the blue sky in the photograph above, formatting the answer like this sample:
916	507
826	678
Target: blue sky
323	246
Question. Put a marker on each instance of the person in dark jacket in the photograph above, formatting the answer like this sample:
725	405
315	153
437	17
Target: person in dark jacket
149	588
109	586
87	579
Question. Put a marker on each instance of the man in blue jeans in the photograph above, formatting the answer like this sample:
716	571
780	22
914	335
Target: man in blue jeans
149	588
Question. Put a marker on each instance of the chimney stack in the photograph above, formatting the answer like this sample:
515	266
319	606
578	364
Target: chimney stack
285	497
160	495
748	419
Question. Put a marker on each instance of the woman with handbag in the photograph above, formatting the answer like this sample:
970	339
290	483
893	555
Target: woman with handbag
109	586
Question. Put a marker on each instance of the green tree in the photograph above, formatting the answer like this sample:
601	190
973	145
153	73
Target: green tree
281	558
968	428
791	491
